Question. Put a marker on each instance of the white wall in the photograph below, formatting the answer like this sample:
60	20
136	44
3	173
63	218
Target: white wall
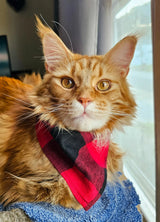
24	45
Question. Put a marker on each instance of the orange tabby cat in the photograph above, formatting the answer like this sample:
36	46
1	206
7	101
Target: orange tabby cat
83	93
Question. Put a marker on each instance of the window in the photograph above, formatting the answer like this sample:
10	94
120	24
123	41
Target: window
134	17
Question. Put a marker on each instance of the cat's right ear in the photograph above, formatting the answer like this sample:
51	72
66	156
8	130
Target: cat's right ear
55	52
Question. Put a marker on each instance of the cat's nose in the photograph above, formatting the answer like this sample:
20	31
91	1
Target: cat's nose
84	101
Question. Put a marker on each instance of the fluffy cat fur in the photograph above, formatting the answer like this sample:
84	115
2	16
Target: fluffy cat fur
25	172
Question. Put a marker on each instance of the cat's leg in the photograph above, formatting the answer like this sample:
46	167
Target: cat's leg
54	191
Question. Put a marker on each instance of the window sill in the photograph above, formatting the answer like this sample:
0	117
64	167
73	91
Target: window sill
147	206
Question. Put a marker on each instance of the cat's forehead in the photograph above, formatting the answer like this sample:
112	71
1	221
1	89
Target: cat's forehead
86	61
85	64
91	67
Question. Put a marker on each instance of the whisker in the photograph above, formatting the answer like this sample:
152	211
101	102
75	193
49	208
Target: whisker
68	36
51	97
41	125
17	177
120	114
21	118
19	100
118	119
55	105
54	110
33	178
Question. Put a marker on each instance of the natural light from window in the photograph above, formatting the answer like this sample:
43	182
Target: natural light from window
134	17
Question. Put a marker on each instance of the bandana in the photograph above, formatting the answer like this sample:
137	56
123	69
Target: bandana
78	158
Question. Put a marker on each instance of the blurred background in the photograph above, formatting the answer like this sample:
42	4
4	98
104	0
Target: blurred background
19	27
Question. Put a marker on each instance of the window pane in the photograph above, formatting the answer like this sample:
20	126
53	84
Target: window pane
138	141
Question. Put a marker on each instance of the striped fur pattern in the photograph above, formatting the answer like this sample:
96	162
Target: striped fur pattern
78	92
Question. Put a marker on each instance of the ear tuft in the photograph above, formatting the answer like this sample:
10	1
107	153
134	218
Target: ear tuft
55	52
41	29
122	53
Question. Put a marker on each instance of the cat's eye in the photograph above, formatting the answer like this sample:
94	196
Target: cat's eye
103	85
67	83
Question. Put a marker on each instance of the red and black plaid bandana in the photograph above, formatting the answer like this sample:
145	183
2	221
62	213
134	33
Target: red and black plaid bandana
79	160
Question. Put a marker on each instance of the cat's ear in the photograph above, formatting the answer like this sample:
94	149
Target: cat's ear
121	54
55	52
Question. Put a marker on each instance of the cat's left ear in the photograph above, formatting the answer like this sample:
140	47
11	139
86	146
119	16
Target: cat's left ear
55	51
121	54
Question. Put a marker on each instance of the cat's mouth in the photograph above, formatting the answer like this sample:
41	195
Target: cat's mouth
83	115
84	122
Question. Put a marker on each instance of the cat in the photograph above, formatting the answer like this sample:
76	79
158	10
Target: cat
78	92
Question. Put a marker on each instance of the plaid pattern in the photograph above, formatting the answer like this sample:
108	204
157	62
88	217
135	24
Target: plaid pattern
78	159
